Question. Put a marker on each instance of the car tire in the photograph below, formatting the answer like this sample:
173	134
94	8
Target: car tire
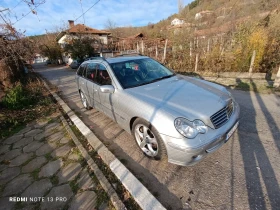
84	100
153	146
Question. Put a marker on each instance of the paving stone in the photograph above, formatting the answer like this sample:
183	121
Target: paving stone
33	132
52	130
37	189
41	124
12	154
45	149
29	207
51	126
13	139
33	146
64	140
8	174
73	156
5	204
34	164
85	182
69	172
51	168
84	200
19	160
17	185
4	149
55	115
22	142
40	136
28	128
56	136
61	151
3	167
60	191
104	206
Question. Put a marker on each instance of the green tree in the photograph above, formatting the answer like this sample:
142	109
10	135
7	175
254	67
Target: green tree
82	47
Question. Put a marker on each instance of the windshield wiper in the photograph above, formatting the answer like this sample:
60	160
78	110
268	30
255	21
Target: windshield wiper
161	78
155	80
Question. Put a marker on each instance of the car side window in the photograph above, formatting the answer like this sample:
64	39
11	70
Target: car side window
81	70
91	71
102	76
84	74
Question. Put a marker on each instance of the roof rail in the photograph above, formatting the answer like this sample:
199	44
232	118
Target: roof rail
129	53
95	58
126	55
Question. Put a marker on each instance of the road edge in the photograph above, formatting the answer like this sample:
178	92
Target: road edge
139	192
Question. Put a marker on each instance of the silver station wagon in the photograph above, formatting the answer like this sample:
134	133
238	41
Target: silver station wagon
169	115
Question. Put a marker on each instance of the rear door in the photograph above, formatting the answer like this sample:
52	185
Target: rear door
90	83
80	79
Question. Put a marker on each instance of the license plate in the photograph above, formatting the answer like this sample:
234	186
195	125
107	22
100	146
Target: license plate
229	134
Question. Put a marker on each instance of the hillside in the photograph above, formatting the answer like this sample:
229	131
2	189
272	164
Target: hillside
223	12
217	35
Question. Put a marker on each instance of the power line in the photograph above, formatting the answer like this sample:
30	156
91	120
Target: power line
87	10
31	10
16	5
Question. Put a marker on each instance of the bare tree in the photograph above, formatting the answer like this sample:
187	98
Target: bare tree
15	48
111	26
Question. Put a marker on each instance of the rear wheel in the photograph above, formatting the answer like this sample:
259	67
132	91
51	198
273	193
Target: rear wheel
84	100
148	139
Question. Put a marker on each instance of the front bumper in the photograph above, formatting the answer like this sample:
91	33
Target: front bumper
187	152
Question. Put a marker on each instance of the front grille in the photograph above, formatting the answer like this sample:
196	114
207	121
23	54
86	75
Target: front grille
221	117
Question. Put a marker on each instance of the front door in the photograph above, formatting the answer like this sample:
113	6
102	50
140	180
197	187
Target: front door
106	100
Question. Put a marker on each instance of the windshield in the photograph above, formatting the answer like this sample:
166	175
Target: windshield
139	72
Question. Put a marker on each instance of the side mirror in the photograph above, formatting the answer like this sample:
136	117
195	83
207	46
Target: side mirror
107	89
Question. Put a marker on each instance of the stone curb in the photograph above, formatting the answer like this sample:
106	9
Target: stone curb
138	191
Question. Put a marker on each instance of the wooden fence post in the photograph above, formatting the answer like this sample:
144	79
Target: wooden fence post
196	62
138	47
190	48
164	52
156	51
208	45
252	62
277	79
142	46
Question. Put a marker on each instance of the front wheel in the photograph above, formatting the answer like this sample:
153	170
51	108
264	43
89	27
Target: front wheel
148	139
84	100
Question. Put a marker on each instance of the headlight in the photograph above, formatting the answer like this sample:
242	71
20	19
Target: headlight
190	129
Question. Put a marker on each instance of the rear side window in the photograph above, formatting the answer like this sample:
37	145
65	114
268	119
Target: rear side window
102	76
91	71
81	69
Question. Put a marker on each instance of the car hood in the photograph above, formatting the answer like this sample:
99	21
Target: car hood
183	97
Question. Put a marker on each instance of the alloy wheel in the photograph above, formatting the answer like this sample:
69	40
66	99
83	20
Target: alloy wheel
146	140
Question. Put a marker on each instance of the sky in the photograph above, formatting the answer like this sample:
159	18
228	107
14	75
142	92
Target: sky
56	13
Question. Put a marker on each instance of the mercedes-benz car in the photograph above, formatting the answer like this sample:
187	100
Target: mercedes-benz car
169	115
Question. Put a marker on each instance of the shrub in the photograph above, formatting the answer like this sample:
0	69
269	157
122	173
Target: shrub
17	98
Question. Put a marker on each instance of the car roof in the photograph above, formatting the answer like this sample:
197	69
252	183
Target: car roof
116	59
124	58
